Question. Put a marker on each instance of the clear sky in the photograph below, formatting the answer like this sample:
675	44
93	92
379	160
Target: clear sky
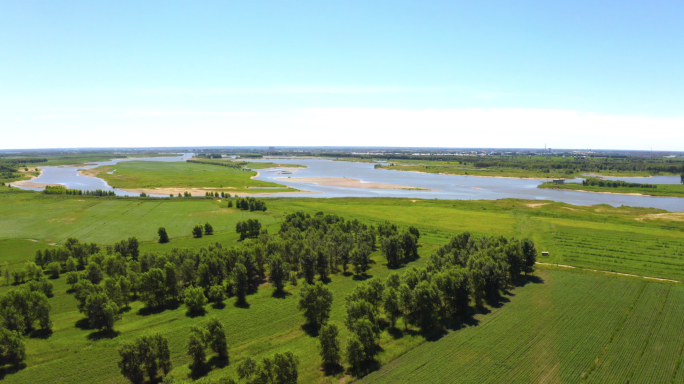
571	74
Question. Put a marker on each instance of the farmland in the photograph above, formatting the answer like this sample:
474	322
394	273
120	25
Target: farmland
151	175
573	327
552	329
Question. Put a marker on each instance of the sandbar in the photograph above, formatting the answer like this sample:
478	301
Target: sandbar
344	182
32	184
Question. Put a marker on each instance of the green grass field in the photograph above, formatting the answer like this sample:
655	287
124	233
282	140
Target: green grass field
551	330
148	175
573	327
673	190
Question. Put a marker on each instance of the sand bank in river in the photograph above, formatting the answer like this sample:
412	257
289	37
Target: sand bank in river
344	182
203	191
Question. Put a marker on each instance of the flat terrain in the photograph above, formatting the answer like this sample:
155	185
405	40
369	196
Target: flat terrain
154	176
562	324
343	182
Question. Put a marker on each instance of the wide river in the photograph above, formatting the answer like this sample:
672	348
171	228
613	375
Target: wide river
448	187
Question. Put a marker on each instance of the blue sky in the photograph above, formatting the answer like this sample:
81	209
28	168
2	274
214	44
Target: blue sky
581	74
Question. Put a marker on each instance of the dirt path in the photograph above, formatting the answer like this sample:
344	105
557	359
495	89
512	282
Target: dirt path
610	272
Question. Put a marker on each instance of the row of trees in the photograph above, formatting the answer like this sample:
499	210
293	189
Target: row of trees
217	194
590	182
59	190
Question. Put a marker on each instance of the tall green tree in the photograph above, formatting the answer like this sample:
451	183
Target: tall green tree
277	272
330	345
240	283
195	299
197	231
171	281
101	311
163	236
316	302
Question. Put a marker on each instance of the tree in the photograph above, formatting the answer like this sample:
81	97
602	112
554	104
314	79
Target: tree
163	236
278	273
307	262
195	349
425	302
355	353
682	178
316	301
240	282
248	229
391	247
285	367
153	288
197	231
72	278
330	345
146	354
217	294
390	305
12	348
195	299
93	273
71	265
171	280
529	255
216	337
125	286
359	258
208	229
101	311
133	248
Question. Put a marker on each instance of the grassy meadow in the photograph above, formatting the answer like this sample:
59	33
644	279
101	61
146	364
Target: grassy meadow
151	175
562	326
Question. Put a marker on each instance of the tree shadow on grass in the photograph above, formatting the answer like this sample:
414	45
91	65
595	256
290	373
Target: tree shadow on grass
242	304
332	370
218	362
198	371
40	334
8	370
529	279
218	305
367	367
146	311
195	312
83	324
103	334
398	333
310	329
347	273
362	277
280	294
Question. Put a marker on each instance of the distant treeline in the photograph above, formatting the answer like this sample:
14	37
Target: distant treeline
615	184
59	190
547	164
229	164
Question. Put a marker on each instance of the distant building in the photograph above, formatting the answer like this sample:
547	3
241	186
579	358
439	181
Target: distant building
559	181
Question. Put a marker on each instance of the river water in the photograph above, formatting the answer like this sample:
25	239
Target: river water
449	187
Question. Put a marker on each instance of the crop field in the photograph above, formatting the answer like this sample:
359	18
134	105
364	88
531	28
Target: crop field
649	254
570	328
150	174
561	326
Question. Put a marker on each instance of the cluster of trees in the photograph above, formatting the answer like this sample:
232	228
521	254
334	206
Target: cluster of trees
59	190
248	229
217	194
590	182
209	155
280	369
211	335
250	204
205	229
464	270
20	310
145	356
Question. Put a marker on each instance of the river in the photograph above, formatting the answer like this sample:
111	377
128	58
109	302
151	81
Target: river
448	187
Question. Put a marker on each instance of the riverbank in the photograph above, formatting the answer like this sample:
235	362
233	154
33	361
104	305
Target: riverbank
663	190
346	183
